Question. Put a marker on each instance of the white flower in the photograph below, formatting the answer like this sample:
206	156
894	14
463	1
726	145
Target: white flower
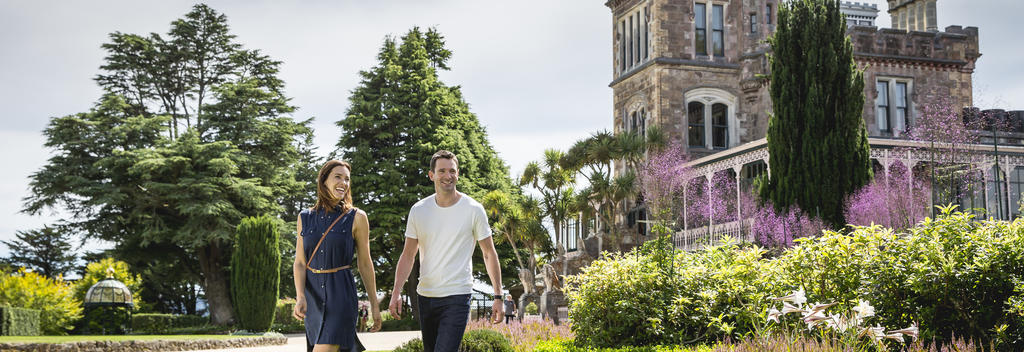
838	322
814	318
797	297
773	314
789	308
911	331
864	310
897	337
821	307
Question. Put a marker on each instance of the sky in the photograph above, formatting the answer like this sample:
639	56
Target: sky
535	72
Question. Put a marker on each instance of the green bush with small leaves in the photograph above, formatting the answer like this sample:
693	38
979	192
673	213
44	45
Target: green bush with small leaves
18	321
479	340
165	323
54	298
954	275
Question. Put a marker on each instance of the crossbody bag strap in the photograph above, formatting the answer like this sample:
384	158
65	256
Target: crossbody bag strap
321	241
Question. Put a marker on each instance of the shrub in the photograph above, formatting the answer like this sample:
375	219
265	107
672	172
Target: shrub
98	271
18	321
104	320
484	340
284	322
407	323
472	341
165	323
414	345
54	299
531	308
524	336
254	272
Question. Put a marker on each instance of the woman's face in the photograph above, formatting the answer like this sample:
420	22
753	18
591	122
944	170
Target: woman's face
338	181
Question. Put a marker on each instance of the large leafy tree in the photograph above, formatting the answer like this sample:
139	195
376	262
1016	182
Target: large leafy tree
48	251
400	115
192	134
816	135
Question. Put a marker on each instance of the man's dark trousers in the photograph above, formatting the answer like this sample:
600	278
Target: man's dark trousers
443	321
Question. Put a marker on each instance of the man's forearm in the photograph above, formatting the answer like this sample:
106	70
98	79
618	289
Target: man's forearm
494	271
401	274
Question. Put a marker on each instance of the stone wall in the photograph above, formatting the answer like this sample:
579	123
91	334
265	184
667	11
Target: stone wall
140	346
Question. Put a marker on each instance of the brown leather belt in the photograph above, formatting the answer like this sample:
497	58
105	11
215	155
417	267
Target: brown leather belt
328	271
325	271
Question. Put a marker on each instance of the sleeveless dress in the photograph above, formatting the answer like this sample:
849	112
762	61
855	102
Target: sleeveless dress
331	301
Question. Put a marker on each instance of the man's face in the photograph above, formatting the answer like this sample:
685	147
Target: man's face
445	175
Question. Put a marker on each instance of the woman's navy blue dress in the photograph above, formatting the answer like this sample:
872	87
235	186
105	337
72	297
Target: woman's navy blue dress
331	301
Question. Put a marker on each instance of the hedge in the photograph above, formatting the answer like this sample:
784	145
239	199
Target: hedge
164	323
19	321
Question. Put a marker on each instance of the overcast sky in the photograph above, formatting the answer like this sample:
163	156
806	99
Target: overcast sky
536	73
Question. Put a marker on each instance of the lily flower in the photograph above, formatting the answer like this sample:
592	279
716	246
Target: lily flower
821	307
789	308
773	314
864	310
911	331
797	297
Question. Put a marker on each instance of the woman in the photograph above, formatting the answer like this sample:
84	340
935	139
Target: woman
329	234
510	308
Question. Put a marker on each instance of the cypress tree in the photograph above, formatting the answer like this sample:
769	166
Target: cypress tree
254	272
816	136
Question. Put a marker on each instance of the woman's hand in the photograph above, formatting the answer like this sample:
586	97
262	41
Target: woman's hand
299	311
376	321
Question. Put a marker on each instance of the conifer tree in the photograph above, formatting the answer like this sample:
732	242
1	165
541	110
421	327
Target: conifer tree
254	272
400	115
816	136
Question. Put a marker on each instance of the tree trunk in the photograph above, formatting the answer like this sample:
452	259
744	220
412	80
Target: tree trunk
215	285
410	289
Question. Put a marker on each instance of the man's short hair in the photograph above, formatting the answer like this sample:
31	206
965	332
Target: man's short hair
442	154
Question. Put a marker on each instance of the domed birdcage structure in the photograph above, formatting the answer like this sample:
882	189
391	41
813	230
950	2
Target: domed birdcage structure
107	296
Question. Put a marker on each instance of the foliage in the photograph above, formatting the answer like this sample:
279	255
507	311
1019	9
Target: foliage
531	308
525	336
109	267
952	275
898	203
164	323
191	135
399	115
773	228
414	345
19	321
816	128
661	180
484	340
47	251
54	298
284	322
407	323
762	344
518	222
255	262
104	321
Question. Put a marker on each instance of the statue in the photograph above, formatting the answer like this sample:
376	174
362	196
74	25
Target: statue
526	277
551	282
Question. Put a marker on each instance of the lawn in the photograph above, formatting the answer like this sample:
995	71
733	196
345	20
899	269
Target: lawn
77	338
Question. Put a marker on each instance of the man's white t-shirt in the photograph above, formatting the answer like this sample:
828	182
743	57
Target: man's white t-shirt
447	238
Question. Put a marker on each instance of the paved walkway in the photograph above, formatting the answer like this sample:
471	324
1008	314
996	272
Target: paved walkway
374	341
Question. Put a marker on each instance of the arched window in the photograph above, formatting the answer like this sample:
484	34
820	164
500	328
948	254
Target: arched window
637	120
711	119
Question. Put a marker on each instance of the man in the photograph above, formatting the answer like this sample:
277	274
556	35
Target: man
443	228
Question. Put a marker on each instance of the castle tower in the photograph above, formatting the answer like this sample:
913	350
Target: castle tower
914	15
859	14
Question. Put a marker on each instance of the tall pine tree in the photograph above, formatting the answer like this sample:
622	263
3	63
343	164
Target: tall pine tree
400	114
816	137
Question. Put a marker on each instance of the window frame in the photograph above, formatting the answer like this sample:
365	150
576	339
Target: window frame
700	31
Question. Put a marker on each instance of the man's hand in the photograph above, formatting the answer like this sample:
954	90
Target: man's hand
496	309
396	306
299	310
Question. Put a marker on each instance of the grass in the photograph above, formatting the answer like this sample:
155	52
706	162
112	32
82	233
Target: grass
78	338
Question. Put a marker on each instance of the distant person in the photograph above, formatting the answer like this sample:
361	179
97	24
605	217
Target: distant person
362	317
329	234
510	309
443	228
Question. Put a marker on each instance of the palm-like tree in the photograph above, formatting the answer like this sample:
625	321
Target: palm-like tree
551	181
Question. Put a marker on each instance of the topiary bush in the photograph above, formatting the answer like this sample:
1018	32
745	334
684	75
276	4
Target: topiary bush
284	322
54	298
166	323
254	272
531	308
19	321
